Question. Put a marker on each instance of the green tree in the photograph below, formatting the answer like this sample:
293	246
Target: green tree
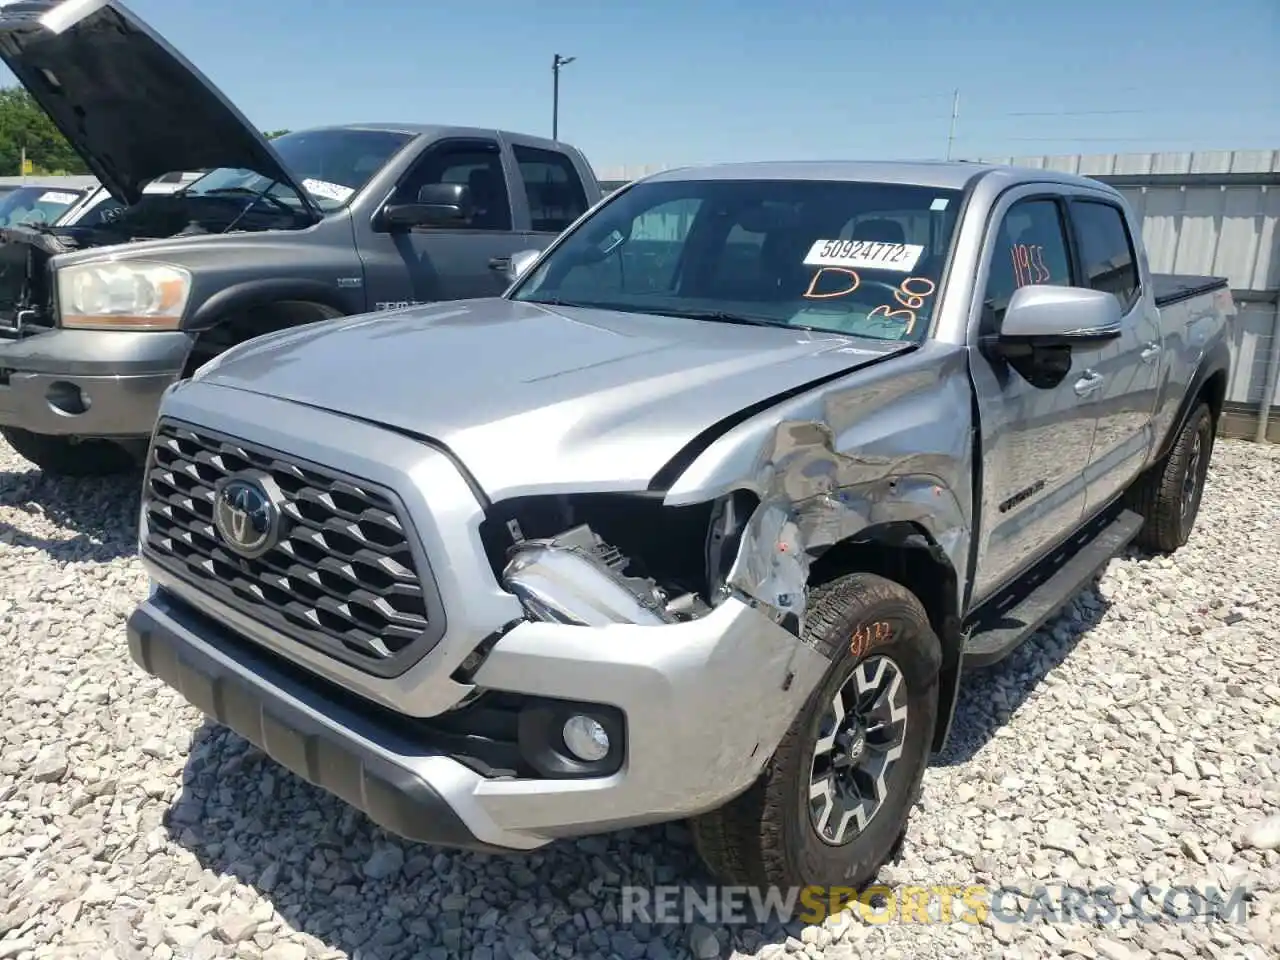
272	134
24	124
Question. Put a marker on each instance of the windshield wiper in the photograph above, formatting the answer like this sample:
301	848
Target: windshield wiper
713	316
559	302
229	191
725	316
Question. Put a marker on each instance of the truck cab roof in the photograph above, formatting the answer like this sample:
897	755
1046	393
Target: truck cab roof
439	131
944	175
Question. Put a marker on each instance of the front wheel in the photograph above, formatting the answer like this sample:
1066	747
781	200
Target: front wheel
835	799
70	457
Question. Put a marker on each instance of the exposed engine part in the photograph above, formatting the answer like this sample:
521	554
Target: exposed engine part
575	577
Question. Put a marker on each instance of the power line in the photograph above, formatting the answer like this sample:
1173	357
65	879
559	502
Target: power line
1070	113
1069	139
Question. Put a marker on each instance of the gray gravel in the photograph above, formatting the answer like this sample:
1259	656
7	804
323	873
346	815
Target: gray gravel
1137	740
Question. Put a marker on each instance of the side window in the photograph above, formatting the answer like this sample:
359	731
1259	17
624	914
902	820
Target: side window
647	261
1106	250
1030	248
479	166
554	189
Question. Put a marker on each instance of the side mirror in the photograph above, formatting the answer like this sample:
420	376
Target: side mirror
439	205
520	264
1062	317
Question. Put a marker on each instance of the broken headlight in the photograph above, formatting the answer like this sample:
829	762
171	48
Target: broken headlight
577	578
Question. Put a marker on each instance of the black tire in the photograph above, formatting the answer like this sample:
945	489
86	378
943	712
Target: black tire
1168	495
767	836
68	457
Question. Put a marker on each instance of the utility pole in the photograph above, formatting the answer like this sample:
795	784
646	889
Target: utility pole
955	112
556	63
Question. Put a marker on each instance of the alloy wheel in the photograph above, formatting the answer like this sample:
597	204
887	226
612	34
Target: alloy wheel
861	738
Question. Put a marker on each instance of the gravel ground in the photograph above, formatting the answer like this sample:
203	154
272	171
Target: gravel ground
1136	740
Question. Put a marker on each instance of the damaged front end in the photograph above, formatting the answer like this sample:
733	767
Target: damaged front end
811	512
602	559
26	288
576	577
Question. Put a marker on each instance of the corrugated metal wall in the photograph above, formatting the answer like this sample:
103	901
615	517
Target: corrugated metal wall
1213	212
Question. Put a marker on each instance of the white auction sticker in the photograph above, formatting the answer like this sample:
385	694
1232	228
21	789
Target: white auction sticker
329	191
54	196
864	255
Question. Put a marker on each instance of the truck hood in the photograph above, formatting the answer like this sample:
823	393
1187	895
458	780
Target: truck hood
131	106
532	398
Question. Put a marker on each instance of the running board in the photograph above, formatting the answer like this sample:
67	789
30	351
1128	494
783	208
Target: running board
999	632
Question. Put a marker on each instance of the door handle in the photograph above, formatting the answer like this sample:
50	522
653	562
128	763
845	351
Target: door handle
1090	382
1151	352
499	263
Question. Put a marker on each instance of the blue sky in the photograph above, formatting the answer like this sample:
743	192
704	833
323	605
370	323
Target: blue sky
662	81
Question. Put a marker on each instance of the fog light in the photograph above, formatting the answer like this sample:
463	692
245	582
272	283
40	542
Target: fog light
585	738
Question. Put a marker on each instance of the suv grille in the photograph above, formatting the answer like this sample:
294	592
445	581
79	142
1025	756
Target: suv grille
342	576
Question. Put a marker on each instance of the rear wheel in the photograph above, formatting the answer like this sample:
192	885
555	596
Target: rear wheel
1168	495
70	456
834	801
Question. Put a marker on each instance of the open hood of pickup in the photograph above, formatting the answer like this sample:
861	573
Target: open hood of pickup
131	106
532	398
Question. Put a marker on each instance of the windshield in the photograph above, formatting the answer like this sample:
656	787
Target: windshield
842	257
35	205
332	165
95	210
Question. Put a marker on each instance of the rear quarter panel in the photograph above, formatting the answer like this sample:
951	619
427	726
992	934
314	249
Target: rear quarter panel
1195	336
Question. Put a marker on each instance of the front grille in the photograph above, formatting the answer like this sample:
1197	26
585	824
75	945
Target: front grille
342	577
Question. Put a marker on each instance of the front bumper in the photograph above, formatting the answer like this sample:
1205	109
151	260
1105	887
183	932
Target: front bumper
705	705
88	383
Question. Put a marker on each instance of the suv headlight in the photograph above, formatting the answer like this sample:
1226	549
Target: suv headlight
124	295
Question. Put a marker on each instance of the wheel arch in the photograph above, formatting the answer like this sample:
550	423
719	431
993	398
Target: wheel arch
1208	385
907	553
244	319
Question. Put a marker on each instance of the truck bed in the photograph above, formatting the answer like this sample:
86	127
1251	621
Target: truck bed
1171	288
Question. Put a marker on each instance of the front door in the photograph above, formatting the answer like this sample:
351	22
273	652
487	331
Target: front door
1037	422
426	264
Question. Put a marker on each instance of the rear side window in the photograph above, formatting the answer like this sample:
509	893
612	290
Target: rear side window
1106	250
1030	248
554	189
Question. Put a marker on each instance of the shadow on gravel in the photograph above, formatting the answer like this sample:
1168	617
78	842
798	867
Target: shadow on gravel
98	516
335	876
990	696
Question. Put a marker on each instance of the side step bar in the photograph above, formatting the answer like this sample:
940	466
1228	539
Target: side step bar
1000	630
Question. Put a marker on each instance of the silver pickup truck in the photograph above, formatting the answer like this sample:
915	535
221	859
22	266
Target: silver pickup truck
703	518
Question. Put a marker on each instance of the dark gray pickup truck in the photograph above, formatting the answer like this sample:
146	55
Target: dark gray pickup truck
97	319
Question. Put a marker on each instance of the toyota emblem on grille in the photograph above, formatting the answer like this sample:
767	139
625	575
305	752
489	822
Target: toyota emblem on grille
246	514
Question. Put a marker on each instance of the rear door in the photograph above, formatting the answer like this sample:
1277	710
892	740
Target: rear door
425	264
553	190
1130	366
1037	420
